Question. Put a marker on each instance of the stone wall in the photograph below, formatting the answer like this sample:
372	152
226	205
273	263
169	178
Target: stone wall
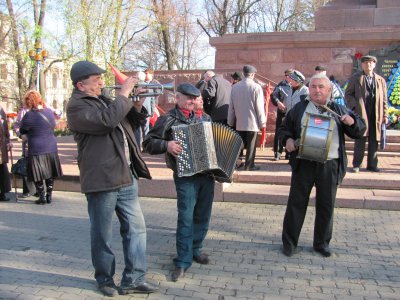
344	30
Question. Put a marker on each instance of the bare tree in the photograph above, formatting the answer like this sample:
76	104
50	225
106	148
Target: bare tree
229	16
17	50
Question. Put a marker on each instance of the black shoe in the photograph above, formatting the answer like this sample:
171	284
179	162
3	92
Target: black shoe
277	156
177	273
253	168
287	251
40	201
325	252
48	198
290	251
109	290
201	259
373	169
4	198
141	288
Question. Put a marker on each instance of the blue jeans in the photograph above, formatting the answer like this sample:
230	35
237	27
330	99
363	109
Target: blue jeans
195	197
101	207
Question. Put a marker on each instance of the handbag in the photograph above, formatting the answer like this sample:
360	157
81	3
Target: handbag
20	167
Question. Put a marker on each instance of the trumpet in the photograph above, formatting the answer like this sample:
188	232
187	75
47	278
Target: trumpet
158	89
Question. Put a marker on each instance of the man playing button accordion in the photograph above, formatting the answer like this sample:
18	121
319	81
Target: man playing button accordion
194	193
326	176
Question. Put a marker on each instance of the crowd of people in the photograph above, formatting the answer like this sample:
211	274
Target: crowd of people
120	129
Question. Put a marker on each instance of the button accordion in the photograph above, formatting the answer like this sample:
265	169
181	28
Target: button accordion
207	148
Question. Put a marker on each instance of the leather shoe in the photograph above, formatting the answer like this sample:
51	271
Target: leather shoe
325	252
373	169
4	198
141	288
253	168
177	273
109	290
289	251
201	259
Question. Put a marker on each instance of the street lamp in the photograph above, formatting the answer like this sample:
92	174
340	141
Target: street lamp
39	55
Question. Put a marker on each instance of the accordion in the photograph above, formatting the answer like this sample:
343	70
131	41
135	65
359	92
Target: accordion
211	148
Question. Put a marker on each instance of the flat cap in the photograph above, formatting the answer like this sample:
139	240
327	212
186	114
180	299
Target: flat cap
320	68
289	71
297	76
236	76
188	90
83	69
368	58
247	69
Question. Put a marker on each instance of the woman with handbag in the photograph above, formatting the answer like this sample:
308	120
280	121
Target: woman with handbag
37	128
28	188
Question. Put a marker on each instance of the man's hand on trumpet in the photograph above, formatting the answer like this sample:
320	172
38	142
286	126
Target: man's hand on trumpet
128	86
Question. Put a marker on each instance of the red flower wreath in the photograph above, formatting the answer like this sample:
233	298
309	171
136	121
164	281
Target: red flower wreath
358	55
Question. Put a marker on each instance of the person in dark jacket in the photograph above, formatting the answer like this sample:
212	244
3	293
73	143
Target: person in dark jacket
280	93
194	193
110	164
306	173
38	126
5	146
218	95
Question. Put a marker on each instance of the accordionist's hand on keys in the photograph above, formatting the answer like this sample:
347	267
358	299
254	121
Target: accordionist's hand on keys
174	148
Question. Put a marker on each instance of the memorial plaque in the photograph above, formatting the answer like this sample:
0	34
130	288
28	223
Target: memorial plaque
388	67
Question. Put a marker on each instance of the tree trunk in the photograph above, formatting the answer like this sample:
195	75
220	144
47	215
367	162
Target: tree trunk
17	51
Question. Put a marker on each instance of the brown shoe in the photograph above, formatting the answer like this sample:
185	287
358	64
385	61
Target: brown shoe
177	273
201	259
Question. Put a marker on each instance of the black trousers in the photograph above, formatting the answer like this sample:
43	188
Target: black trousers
249	140
5	181
278	148
359	150
306	175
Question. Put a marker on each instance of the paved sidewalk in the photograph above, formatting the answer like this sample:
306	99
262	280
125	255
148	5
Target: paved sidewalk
44	254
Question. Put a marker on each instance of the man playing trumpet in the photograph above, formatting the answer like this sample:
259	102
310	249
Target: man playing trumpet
110	164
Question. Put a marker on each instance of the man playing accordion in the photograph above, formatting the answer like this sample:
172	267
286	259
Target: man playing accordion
194	193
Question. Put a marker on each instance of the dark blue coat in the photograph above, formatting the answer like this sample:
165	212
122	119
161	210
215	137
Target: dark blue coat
41	139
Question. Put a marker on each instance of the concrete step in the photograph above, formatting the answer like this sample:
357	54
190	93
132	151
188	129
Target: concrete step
390	147
346	197
279	173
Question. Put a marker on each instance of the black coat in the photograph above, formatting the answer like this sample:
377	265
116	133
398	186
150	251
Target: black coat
291	128
216	97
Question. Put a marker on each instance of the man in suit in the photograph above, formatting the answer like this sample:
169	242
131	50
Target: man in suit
366	95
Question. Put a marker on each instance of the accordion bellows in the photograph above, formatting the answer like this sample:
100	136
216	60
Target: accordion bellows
207	148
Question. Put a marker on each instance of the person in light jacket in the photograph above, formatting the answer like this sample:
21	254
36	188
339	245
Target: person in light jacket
246	113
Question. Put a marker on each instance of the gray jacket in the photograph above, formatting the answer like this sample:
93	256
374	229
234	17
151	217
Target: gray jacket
101	154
